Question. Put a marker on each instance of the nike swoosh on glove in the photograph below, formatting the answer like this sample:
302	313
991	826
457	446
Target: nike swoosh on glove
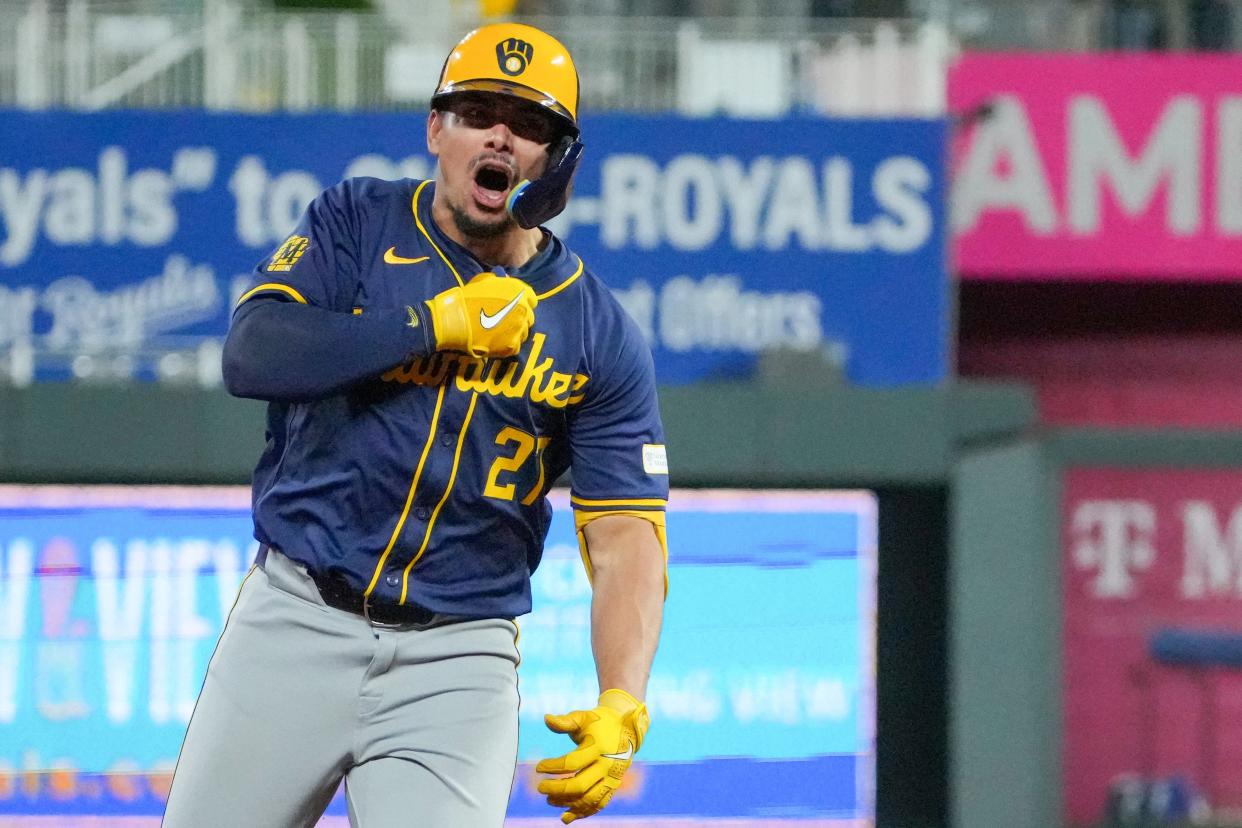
489	316
607	737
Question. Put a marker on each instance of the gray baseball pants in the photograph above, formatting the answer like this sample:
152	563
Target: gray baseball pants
420	722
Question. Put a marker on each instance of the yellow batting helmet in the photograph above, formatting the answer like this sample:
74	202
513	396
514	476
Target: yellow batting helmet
513	59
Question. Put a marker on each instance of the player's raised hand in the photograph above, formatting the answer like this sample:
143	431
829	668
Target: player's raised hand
607	737
489	316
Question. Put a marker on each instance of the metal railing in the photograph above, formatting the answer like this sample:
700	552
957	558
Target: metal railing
96	54
1084	25
223	54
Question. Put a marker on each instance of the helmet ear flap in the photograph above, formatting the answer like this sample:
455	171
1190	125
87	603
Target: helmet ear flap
560	148
532	203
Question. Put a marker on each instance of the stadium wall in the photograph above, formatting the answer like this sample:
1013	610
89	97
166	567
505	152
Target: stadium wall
901	443
729	434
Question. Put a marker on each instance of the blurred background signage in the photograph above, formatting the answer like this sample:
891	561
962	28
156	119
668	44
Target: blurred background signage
130	234
111	601
1098	166
1152	567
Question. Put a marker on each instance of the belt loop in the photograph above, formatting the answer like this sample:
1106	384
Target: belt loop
260	557
366	613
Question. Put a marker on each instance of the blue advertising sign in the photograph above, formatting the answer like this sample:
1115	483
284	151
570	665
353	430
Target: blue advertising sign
724	239
111	600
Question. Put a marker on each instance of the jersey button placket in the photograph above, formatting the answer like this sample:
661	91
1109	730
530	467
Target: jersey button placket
422	514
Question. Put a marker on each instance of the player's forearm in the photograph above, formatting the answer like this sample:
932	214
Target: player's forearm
287	352
627	608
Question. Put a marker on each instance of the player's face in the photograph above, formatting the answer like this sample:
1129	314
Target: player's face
486	144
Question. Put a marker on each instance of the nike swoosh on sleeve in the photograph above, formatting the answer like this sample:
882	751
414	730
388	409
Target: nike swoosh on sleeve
391	257
489	322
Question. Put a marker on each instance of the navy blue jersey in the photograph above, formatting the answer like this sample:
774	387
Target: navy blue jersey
428	483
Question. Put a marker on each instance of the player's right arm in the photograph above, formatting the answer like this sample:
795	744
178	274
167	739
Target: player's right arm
294	336
286	352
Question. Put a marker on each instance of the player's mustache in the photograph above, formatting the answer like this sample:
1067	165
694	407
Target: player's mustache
497	157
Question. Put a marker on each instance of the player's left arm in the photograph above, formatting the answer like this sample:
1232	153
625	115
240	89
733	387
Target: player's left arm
627	605
626	558
619	495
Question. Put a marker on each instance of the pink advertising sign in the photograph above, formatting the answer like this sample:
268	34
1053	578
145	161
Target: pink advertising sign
1152	580
1098	166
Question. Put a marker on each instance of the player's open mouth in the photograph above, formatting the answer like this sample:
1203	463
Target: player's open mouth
491	184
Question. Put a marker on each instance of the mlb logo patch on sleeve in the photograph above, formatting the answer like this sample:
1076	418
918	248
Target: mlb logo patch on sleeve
655	459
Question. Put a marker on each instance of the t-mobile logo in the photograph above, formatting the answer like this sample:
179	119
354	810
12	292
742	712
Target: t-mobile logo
1115	538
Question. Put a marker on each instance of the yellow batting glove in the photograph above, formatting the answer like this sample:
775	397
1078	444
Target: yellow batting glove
607	739
489	316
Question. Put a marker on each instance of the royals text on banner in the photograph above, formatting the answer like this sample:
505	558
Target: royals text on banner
722	238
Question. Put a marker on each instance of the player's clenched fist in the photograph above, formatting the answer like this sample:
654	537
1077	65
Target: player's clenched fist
607	738
489	316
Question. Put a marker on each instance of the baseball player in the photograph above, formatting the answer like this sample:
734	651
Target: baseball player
434	360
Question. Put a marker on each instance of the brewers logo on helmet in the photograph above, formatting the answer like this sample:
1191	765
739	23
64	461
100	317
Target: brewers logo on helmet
514	56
